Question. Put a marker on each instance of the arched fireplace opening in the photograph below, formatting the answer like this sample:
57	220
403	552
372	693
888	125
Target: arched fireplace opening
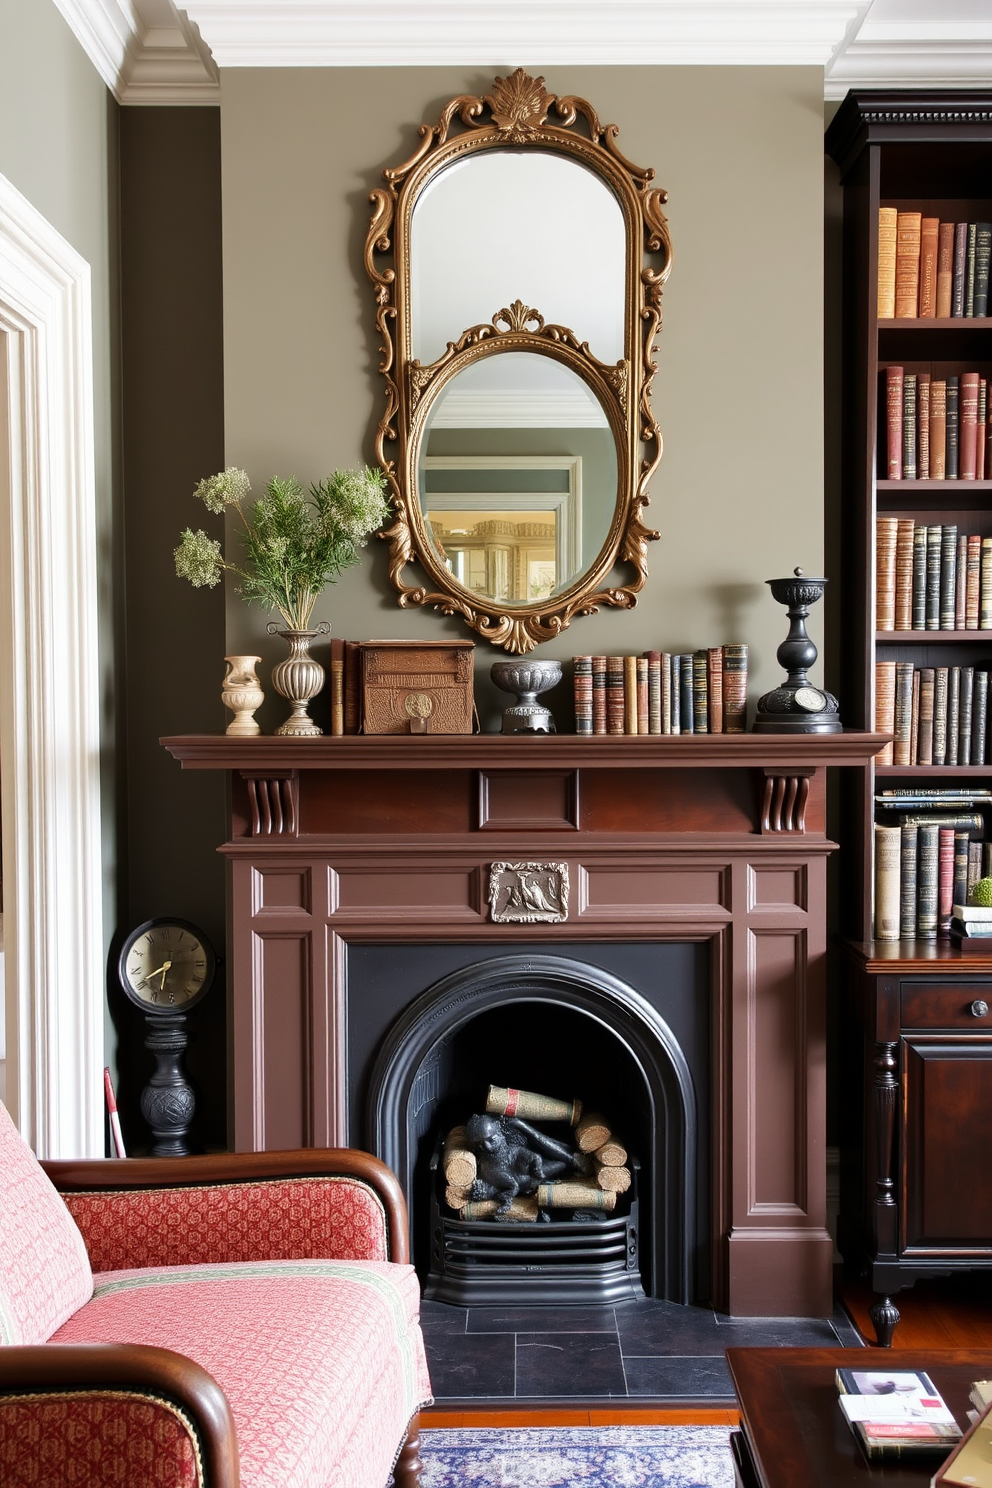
566	1028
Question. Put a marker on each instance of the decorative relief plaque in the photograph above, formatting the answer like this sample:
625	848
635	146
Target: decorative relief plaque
523	893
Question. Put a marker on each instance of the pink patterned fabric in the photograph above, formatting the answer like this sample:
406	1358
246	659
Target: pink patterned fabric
96	1439
282	1219
44	1270
322	1362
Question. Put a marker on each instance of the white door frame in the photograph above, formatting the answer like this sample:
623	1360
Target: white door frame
49	689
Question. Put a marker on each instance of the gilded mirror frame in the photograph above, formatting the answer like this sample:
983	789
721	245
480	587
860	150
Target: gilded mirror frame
515	114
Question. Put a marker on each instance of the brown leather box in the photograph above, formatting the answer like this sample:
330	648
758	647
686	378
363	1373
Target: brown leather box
417	687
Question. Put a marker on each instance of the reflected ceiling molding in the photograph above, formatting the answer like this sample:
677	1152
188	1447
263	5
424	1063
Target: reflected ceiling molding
531	408
146	51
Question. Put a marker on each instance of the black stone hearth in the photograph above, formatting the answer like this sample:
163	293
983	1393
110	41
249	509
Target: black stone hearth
630	1037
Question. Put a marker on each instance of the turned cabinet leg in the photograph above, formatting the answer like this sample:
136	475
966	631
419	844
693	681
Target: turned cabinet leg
884	1317
406	1473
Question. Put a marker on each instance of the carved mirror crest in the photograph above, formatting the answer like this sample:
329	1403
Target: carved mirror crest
518	267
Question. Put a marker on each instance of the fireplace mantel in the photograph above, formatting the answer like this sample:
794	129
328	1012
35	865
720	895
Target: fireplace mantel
721	839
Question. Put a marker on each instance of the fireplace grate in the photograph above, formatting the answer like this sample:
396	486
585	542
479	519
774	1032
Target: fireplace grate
483	1263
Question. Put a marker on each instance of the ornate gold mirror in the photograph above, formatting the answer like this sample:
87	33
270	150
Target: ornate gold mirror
518	266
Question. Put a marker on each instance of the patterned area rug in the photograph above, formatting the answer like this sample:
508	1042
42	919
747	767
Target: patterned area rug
578	1457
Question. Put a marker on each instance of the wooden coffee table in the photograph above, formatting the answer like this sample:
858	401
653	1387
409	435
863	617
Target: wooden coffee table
793	1434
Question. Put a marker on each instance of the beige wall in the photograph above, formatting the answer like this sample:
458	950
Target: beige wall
739	495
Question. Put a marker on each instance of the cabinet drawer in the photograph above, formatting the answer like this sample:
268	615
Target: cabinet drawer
948	1006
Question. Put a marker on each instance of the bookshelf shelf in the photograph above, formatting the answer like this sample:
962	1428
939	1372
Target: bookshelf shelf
915	166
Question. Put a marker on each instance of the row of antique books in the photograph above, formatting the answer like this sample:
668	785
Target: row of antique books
345	674
927	861
931	577
929	268
936	428
662	692
938	715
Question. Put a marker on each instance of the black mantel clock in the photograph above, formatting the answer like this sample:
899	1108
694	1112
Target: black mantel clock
165	968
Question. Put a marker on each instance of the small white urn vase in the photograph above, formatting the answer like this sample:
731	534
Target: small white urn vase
298	679
242	693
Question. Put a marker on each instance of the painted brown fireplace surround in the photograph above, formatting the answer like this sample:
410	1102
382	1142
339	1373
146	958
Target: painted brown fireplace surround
720	840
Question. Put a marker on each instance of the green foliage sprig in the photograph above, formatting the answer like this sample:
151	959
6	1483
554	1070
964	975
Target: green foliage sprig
294	542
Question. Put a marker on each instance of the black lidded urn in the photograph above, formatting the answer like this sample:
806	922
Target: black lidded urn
796	706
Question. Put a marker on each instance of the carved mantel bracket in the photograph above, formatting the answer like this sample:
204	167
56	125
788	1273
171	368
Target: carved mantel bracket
786	796
273	800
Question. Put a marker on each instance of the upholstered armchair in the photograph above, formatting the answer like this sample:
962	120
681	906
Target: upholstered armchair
207	1322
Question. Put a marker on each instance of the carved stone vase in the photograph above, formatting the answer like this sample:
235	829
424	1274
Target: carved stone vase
298	679
242	693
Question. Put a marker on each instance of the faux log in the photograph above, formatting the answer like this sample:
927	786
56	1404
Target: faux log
458	1162
613	1179
575	1195
456	1198
612	1154
522	1209
503	1102
592	1131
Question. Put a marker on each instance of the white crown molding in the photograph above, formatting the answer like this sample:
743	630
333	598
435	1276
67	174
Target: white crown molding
49	689
498	33
923	54
146	53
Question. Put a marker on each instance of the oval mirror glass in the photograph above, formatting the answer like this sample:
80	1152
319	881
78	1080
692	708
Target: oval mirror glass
509	225
517	477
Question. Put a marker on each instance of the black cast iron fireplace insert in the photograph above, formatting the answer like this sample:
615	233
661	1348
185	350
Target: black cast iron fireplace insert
568	1027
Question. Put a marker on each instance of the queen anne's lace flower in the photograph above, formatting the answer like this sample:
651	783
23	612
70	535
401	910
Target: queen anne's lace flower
230	488
198	559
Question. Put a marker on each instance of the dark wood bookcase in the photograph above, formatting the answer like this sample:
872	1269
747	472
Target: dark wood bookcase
917	1058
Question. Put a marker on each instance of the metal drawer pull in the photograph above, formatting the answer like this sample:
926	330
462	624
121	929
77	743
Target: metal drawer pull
979	1009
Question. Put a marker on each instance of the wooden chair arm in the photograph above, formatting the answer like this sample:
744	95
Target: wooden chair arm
81	1175
54	1367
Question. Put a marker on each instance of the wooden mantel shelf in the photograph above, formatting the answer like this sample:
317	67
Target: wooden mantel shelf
496	751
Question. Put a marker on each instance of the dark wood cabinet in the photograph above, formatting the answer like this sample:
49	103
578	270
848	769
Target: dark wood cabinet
917	1052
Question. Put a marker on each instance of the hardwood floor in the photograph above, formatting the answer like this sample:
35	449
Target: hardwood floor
946	1312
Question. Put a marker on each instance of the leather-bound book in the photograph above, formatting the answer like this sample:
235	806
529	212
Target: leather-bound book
599	694
353	701
700	693
960	258
927	872
909	426
979	716
964	715
903	723
630	695
961	840
885	706
974	864
945	879
923	425
938	429
945	269
908	226
735	689
905	530
909	847
940	715
914	723
968	432
893	422
953	713
985	586
337	685
980	439
948	574
934	545
988	441
952	417
714	680
887	225
686	693
961	584
983	252
920	577
666	693
973	582
929	229
888	846
582	693
676	694
924	754
886	535
614	695
969	270
654	691
643	695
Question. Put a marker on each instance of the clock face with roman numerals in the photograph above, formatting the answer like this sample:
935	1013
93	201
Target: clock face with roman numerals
166	966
